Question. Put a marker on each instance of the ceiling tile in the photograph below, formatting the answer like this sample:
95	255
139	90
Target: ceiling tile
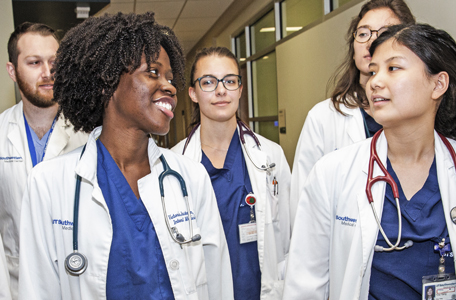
205	8
162	9
194	24
113	8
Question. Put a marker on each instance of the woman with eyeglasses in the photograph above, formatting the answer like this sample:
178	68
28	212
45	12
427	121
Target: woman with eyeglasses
344	118
249	173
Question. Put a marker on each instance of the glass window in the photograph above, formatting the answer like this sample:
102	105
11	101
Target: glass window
262	33
298	13
265	106
339	3
241	48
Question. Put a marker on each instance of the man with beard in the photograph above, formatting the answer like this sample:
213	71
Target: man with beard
31	131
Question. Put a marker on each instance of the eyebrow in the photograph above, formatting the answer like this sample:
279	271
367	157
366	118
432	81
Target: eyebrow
388	60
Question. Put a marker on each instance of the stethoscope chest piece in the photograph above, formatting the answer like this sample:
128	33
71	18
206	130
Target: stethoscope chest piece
453	214
76	263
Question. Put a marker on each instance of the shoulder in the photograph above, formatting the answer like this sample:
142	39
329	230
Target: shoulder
182	162
5	116
179	147
55	168
269	146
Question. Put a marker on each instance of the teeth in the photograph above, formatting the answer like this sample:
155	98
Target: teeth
379	99
165	105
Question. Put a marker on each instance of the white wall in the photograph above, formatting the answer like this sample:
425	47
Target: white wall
7	97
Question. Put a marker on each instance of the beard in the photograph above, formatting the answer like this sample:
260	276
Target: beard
35	97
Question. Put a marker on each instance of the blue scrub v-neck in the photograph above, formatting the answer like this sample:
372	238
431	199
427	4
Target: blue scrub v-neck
136	267
231	185
423	222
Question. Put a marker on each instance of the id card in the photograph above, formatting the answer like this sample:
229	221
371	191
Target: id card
439	287
247	233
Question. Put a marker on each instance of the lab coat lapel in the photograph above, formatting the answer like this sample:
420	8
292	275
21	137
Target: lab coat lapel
18	137
368	225
447	183
354	126
194	146
258	180
58	139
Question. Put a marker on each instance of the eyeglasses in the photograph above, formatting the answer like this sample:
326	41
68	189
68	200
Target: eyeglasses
364	34
209	83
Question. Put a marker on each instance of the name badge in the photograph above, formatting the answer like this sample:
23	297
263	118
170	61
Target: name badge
11	158
247	233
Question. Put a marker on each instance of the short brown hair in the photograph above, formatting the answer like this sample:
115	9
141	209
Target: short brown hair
22	29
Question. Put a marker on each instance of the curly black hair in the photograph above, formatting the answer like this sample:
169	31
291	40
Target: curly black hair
93	55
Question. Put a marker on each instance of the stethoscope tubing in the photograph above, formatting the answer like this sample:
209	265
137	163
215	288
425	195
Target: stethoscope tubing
389	180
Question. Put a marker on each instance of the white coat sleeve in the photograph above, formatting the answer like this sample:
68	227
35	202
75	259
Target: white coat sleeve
308	260
38	274
309	150
5	293
216	256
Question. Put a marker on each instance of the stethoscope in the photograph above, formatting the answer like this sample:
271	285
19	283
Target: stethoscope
389	180
76	262
243	129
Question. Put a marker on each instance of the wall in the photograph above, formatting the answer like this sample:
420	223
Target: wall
302	80
8	97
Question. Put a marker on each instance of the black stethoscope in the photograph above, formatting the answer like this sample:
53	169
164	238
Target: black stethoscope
243	129
389	180
76	262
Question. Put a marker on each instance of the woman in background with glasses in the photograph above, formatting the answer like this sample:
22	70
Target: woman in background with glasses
344	118
246	177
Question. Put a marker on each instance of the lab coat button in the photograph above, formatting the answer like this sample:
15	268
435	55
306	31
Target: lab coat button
174	264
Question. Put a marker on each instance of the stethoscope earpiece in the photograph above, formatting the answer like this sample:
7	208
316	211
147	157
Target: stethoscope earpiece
76	263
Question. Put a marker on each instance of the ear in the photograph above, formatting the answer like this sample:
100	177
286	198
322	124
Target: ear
441	80
11	71
192	94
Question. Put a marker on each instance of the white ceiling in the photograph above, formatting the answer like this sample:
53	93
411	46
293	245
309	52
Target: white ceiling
190	19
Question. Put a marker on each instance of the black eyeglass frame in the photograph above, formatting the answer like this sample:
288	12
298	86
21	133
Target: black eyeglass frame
218	81
378	31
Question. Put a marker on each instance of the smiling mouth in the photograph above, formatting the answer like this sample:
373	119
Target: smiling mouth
165	105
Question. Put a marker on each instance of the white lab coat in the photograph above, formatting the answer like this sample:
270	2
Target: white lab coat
324	131
15	165
5	293
271	211
201	270
333	258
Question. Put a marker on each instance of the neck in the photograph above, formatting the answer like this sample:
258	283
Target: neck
39	119
217	134
127	147
410	145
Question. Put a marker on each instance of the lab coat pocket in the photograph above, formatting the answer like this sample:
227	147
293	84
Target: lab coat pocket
193	268
274	203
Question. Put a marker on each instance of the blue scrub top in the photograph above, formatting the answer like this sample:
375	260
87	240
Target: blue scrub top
231	185
398	274
136	267
37	145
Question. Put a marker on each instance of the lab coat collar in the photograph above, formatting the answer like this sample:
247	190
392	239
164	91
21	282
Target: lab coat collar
59	138
87	165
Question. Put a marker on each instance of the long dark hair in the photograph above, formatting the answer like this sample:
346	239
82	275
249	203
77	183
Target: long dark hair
348	91
212	51
437	49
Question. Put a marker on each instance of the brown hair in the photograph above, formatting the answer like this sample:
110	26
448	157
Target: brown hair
26	27
212	51
348	91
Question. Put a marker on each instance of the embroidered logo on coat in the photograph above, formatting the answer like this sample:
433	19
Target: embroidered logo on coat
346	221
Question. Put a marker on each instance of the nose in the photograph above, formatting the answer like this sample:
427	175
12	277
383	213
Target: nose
220	89
375	82
167	87
46	70
372	38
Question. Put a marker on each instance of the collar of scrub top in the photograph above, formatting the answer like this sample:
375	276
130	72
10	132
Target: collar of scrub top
243	129
389	180
30	140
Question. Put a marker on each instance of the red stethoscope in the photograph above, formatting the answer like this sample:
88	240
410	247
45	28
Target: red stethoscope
389	180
